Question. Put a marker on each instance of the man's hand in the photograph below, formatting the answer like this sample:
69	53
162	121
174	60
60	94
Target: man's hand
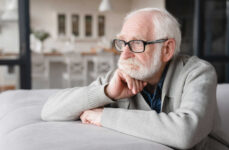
123	86
92	116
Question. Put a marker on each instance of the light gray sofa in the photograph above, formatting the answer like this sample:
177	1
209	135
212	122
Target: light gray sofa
21	127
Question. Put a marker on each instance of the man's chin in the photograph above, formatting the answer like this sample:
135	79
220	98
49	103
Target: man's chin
133	73
142	75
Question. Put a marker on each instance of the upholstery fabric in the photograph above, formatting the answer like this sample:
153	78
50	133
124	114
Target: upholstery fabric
21	128
221	129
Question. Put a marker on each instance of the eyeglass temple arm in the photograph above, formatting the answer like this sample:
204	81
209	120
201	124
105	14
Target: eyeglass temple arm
157	41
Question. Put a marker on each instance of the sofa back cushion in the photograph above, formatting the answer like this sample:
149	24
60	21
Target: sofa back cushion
222	129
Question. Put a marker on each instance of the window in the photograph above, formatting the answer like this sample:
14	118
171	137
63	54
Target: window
61	24
101	26
15	59
9	76
75	25
88	25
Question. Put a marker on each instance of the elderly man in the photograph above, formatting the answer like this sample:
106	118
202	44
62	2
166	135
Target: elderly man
155	93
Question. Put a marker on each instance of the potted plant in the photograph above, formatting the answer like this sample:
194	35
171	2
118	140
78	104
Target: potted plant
41	36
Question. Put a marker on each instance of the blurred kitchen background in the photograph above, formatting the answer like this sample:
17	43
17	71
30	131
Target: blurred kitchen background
61	44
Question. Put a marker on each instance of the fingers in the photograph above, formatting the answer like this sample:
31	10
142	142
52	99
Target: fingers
124	77
138	86
123	86
141	85
83	117
129	81
134	85
99	109
92	116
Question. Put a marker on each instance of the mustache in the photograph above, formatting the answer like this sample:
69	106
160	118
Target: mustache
131	64
130	61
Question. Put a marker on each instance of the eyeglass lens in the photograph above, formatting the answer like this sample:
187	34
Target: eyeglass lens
136	46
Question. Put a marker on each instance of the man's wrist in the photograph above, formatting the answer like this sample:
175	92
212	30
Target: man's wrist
106	91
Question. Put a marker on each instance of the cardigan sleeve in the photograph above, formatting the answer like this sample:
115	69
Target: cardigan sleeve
182	128
69	103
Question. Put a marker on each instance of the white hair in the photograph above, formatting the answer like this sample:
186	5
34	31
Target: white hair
165	25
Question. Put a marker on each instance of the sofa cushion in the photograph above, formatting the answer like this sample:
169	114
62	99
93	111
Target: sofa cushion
221	130
21	128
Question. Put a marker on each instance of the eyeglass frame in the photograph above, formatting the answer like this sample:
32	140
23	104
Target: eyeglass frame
144	44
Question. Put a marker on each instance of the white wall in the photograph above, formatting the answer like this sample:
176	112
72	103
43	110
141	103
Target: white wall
137	4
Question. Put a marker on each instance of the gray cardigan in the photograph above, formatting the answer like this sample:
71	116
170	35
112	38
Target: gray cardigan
188	106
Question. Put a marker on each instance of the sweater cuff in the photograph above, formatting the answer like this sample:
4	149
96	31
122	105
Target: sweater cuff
97	96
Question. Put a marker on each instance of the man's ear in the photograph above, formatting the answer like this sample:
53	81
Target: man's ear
168	50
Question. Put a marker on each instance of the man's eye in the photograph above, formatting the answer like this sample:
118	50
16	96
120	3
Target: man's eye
121	43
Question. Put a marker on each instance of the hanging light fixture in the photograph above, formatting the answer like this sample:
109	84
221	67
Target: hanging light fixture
11	11
105	6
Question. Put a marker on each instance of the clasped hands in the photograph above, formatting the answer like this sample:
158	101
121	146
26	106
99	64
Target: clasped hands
120	86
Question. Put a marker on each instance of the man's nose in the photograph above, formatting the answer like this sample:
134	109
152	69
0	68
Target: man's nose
127	53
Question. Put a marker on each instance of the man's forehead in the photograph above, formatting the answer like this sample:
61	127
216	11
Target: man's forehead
130	36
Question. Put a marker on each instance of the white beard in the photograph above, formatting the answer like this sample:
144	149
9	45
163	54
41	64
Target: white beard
139	71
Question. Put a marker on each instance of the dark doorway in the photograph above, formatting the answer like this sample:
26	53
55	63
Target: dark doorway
204	26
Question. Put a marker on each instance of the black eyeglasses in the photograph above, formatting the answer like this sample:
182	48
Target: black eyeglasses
136	46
